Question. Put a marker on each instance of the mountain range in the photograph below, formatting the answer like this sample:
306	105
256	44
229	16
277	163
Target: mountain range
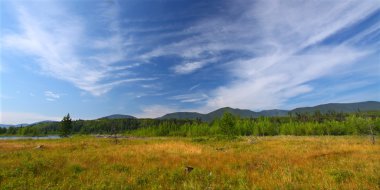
245	113
26	124
118	116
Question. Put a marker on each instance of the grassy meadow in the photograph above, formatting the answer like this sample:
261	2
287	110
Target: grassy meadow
280	162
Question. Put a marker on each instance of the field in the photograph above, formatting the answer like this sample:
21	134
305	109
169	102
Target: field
281	162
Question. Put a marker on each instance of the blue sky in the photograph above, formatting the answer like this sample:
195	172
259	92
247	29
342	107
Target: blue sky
149	58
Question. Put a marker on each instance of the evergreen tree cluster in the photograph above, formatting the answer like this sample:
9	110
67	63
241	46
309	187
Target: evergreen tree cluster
330	123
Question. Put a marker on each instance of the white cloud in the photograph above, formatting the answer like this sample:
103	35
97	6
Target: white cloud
154	86
57	39
22	117
194	87
192	66
280	71
187	68
190	98
265	87
51	96
280	42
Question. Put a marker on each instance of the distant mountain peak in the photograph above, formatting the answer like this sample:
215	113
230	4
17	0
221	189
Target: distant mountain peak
118	116
341	107
246	113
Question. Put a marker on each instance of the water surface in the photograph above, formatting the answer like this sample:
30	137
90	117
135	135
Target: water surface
33	138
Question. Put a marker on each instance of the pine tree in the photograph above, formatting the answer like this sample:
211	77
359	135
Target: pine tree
66	126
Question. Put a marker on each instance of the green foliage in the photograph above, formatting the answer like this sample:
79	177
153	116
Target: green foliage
341	176
66	126
76	169
330	123
3	131
227	124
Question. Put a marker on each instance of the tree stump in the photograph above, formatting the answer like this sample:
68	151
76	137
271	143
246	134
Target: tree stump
188	169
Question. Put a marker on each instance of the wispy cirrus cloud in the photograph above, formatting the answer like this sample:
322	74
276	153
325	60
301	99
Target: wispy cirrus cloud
248	54
190	98
192	66
51	96
280	46
268	85
60	44
194	87
291	54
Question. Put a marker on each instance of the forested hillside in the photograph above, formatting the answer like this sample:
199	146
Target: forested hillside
317	123
245	113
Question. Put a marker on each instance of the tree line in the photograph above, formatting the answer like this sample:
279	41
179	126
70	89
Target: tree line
317	123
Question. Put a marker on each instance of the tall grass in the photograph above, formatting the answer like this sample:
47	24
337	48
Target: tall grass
281	162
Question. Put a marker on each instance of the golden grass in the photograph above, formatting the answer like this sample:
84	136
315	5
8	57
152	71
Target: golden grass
280	162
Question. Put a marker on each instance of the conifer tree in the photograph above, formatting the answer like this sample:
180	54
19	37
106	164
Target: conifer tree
66	126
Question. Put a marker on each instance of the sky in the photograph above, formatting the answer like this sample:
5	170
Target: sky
146	58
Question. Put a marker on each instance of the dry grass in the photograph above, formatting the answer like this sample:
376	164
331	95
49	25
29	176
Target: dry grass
267	163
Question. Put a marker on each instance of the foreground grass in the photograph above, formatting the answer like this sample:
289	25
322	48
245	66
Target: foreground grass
158	163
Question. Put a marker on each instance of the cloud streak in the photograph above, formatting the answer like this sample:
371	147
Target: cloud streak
281	47
190	98
258	54
51	96
58	40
